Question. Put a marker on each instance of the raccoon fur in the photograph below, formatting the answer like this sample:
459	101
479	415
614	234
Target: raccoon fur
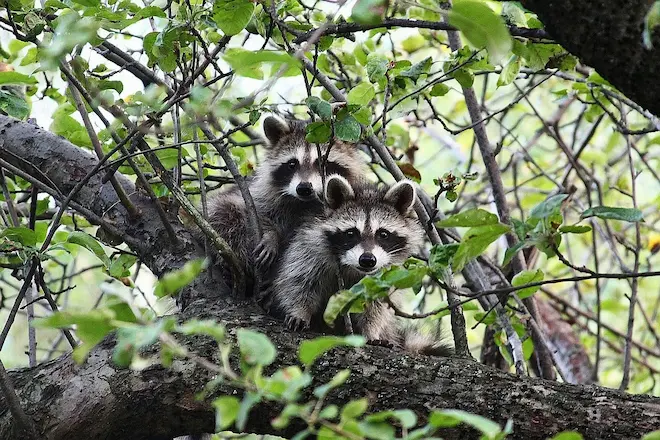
364	228
286	188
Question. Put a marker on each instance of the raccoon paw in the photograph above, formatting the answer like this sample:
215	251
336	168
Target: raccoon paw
381	343
265	253
296	324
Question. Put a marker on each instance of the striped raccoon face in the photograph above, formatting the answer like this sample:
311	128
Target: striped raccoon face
370	228
293	164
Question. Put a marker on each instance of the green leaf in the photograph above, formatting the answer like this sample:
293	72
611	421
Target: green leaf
441	256
226	411
203	327
66	126
13	105
509	72
318	132
249	400
475	242
232	16
574	229
248	63
121	266
415	71
464	77
89	3
255	347
320	107
527	277
548	207
10	77
651	21
312	349
338	302
369	11
377	430
405	417
354	409
572	435
169	157
361	94
452	417
469	218
90	243
377	65
348	129
173	281
655	435
612	213
404	278
25	236
439	89
482	28
91	328
130	339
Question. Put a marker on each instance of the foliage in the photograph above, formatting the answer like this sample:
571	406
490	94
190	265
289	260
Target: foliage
577	163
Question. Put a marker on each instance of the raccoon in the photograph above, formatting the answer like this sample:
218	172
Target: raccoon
286	188
363	229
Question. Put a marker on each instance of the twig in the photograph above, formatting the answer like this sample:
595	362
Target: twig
121	193
633	287
15	406
344	29
497	187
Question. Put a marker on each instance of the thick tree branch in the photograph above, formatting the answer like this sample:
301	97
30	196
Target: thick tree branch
54	161
98	400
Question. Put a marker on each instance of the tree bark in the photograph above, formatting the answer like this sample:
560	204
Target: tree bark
98	400
607	35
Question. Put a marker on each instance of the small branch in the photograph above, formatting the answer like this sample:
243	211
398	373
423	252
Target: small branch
345	29
633	287
497	187
121	193
15	406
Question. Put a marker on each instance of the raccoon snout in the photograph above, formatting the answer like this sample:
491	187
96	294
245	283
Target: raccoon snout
367	260
305	189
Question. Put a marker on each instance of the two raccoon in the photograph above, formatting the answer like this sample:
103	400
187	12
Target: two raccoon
324	227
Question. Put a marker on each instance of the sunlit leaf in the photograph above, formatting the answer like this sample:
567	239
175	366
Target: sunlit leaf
312	349
475	242
256	348
90	243
482	27
612	213
232	16
527	277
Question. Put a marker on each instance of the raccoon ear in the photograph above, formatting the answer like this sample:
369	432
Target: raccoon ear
275	128
401	196
337	191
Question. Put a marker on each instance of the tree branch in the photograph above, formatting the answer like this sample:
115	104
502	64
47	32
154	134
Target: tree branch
98	400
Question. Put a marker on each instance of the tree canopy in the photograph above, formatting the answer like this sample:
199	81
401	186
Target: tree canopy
529	126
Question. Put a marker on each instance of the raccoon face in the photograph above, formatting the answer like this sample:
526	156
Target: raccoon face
370	228
293	163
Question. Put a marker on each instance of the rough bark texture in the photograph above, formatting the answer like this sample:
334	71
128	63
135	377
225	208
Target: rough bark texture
30	148
97	400
607	35
565	343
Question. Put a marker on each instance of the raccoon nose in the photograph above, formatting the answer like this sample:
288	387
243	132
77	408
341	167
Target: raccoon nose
367	260
304	189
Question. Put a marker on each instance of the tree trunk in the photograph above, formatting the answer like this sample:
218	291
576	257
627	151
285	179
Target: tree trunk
607	35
